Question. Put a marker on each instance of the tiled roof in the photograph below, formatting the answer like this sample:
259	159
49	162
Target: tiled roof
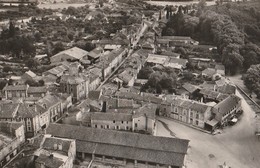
31	74
190	88
94	95
41	89
209	71
30	110
50	162
48	144
227	89
71	79
49	100
147	110
111	116
95	53
162	150
227	104
8	110
138	97
74	52
9	127
16	87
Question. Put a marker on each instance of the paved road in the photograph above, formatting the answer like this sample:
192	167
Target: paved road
237	145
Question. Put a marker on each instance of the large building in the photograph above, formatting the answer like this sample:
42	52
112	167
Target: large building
123	148
33	116
55	153
136	120
11	139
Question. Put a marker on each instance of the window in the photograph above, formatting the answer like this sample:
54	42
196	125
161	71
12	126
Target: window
114	121
29	125
107	126
197	116
127	128
197	122
101	126
122	122
127	122
95	126
135	124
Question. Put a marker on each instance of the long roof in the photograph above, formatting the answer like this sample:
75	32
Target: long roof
74	52
227	104
162	150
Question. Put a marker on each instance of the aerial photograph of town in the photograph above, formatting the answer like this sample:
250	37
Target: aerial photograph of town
129	83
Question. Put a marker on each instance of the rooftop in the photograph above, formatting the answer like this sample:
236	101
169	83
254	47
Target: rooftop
75	52
162	150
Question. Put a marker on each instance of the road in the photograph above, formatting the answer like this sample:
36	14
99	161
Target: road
130	52
237	146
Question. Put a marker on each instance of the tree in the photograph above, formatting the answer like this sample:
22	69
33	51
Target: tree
145	73
3	84
32	63
252	79
158	89
11	29
7	69
58	47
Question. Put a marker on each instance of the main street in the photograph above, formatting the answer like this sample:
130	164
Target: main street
237	146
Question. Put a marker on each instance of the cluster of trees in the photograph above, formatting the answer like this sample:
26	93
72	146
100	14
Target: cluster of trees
19	46
226	36
252	79
159	80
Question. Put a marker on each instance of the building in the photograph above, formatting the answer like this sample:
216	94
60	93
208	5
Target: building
55	153
15	91
129	119
94	54
72	54
53	104
33	116
109	62
187	111
119	147
226	109
211	73
11	139
75	83
201	62
39	92
29	76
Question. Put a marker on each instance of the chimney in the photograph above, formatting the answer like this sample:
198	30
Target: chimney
55	146
59	146
51	156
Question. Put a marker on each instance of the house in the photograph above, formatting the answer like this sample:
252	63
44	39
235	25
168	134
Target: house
200	62
220	69
74	85
227	89
131	148
57	71
29	76
210	73
12	138
187	111
109	62
71	54
128	77
33	116
208	95
39	92
226	109
154	59
178	40
94	54
53	104
192	90
15	91
55	152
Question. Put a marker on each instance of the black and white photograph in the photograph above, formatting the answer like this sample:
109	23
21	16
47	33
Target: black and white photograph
129	83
